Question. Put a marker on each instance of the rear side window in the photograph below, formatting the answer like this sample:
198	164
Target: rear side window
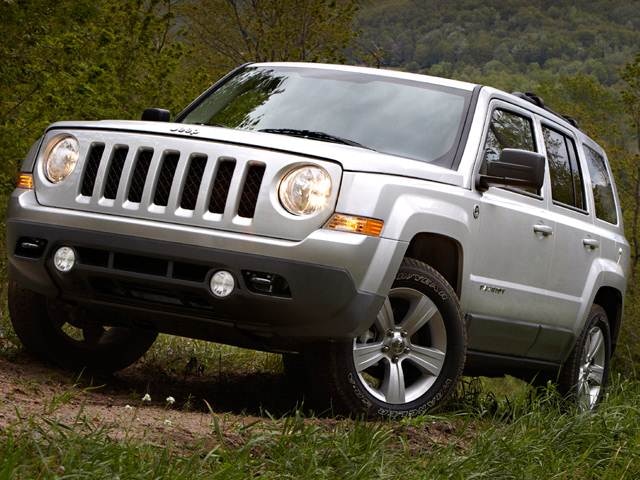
567	186
508	130
601	185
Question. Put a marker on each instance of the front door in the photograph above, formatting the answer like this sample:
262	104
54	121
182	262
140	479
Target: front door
512	254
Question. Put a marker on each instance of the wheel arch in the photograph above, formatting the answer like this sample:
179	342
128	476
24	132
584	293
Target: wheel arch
441	252
611	300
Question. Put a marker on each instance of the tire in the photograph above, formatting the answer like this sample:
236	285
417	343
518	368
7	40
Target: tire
294	366
583	377
64	335
410	359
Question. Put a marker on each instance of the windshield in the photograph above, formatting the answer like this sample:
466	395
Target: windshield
411	119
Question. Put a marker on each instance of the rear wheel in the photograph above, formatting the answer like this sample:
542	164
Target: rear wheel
67	336
408	361
583	377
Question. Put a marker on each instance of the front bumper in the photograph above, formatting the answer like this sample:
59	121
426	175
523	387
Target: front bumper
156	275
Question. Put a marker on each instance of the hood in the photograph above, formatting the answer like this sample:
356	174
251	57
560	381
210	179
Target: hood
353	159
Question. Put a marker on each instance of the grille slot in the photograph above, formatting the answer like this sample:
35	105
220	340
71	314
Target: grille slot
192	182
118	157
189	271
93	256
251	190
91	169
221	185
139	177
165	178
140	264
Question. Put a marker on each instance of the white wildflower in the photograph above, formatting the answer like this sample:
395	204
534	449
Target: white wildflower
128	407
146	398
171	400
167	422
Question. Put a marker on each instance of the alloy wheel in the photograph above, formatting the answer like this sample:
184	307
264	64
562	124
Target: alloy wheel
400	357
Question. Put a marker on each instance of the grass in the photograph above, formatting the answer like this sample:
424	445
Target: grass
527	438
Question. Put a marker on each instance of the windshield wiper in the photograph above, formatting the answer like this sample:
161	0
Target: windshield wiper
325	137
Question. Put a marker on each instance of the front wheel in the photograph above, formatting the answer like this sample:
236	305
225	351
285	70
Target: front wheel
409	360
67	336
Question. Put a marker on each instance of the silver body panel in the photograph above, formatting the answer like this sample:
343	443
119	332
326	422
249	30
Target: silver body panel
509	274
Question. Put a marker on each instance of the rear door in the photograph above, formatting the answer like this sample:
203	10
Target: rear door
577	246
513	249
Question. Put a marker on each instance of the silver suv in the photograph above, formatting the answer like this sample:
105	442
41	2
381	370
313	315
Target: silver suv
384	231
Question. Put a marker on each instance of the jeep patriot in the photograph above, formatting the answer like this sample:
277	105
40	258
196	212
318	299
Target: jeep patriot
384	231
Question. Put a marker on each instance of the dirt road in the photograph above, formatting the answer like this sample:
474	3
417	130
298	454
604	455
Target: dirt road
206	410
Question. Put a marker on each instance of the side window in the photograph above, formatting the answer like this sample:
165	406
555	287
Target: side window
508	130
601	184
567	186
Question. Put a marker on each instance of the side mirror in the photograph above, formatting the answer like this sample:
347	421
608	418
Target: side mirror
514	168
156	115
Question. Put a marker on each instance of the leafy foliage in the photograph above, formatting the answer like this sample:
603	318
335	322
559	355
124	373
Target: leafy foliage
493	36
84	59
232	32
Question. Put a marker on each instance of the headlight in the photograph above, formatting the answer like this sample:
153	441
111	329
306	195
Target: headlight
61	158
305	190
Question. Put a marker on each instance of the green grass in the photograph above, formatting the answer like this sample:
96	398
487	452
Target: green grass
535	440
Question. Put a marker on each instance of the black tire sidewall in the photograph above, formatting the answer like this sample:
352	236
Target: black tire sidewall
569	373
31	320
419	277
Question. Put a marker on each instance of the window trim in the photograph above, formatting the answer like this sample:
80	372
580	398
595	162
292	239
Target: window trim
496	103
544	123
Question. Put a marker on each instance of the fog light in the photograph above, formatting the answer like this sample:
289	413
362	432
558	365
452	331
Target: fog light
64	259
222	284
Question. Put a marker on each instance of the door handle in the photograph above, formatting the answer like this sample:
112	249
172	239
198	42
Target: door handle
544	230
590	243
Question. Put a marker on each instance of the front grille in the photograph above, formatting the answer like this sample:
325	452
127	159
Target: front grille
205	183
191	175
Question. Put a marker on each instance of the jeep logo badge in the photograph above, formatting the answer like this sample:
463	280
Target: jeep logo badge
187	130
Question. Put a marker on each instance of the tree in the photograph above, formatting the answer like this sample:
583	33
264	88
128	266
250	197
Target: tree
631	97
631	94
232	32
85	59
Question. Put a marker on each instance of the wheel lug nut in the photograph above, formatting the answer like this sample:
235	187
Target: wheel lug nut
407	350
385	348
389	333
395	359
403	333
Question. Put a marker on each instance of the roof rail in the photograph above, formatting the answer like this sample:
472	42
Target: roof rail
537	101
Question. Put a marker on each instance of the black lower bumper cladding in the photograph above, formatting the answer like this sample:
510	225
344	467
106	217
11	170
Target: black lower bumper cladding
165	286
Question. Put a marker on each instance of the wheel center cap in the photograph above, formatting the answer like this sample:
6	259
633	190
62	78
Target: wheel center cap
397	345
